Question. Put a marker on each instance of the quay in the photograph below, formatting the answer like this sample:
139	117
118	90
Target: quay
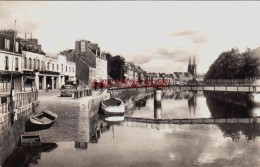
12	127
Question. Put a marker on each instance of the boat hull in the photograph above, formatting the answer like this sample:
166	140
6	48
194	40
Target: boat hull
36	123
113	110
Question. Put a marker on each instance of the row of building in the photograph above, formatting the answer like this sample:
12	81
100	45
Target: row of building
25	62
133	72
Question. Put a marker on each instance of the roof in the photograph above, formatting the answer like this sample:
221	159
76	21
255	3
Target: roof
84	57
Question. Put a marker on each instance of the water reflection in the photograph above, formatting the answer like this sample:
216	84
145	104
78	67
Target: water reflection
143	144
27	156
97	125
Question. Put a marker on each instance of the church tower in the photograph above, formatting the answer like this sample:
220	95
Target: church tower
192	68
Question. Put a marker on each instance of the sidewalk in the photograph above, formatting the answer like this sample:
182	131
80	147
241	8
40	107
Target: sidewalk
54	90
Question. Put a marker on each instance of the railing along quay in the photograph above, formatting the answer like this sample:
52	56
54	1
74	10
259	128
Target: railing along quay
20	99
253	120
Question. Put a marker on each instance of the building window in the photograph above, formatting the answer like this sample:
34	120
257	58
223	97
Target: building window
48	66
61	67
52	67
16	64
43	65
6	63
66	68
69	69
25	62
57	67
72	69
82	46
7	44
16	47
34	63
39	65
30	63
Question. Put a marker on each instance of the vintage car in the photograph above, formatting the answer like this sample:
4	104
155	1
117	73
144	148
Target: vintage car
67	90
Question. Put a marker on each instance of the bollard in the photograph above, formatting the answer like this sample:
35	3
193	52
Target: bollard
75	94
157	103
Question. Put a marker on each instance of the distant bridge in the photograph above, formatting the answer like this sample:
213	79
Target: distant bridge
252	120
223	88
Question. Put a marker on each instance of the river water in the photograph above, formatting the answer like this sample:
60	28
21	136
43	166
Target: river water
139	144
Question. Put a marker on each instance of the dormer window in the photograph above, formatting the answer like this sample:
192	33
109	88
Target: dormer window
7	44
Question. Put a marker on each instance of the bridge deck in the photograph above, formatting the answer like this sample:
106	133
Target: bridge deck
253	120
227	88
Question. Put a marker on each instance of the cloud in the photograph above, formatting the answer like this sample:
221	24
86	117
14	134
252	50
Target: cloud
195	36
142	59
175	59
181	54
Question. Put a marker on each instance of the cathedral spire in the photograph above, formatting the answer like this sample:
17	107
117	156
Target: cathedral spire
194	62
189	61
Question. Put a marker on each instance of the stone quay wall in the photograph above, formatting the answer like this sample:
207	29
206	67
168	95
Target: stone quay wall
10	133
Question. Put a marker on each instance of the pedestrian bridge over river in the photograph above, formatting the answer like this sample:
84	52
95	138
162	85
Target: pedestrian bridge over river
227	88
224	85
136	120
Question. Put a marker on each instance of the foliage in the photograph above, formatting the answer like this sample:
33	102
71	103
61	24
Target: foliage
235	65
115	66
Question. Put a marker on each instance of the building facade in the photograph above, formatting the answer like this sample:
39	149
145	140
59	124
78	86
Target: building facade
30	67
10	60
91	63
129	70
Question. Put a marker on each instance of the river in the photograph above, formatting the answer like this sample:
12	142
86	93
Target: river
137	144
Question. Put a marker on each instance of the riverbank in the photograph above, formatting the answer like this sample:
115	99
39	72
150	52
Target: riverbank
69	110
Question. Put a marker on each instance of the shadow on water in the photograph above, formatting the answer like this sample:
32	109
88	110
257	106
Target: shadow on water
27	156
220	106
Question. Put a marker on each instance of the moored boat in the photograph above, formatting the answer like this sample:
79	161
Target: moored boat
113	106
30	140
44	119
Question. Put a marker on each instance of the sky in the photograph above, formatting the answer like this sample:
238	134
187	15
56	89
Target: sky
158	36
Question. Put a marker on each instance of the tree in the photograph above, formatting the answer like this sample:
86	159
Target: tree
235	65
116	66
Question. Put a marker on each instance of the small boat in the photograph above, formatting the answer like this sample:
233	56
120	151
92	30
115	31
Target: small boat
113	106
30	140
44	119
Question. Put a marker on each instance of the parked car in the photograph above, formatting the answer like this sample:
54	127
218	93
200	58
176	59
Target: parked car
67	90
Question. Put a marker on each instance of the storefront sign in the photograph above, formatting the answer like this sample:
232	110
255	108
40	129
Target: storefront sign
29	73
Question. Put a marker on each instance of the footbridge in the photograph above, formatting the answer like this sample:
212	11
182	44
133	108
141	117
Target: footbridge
225	85
252	120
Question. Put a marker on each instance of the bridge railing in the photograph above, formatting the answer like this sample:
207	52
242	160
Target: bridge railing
229	81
